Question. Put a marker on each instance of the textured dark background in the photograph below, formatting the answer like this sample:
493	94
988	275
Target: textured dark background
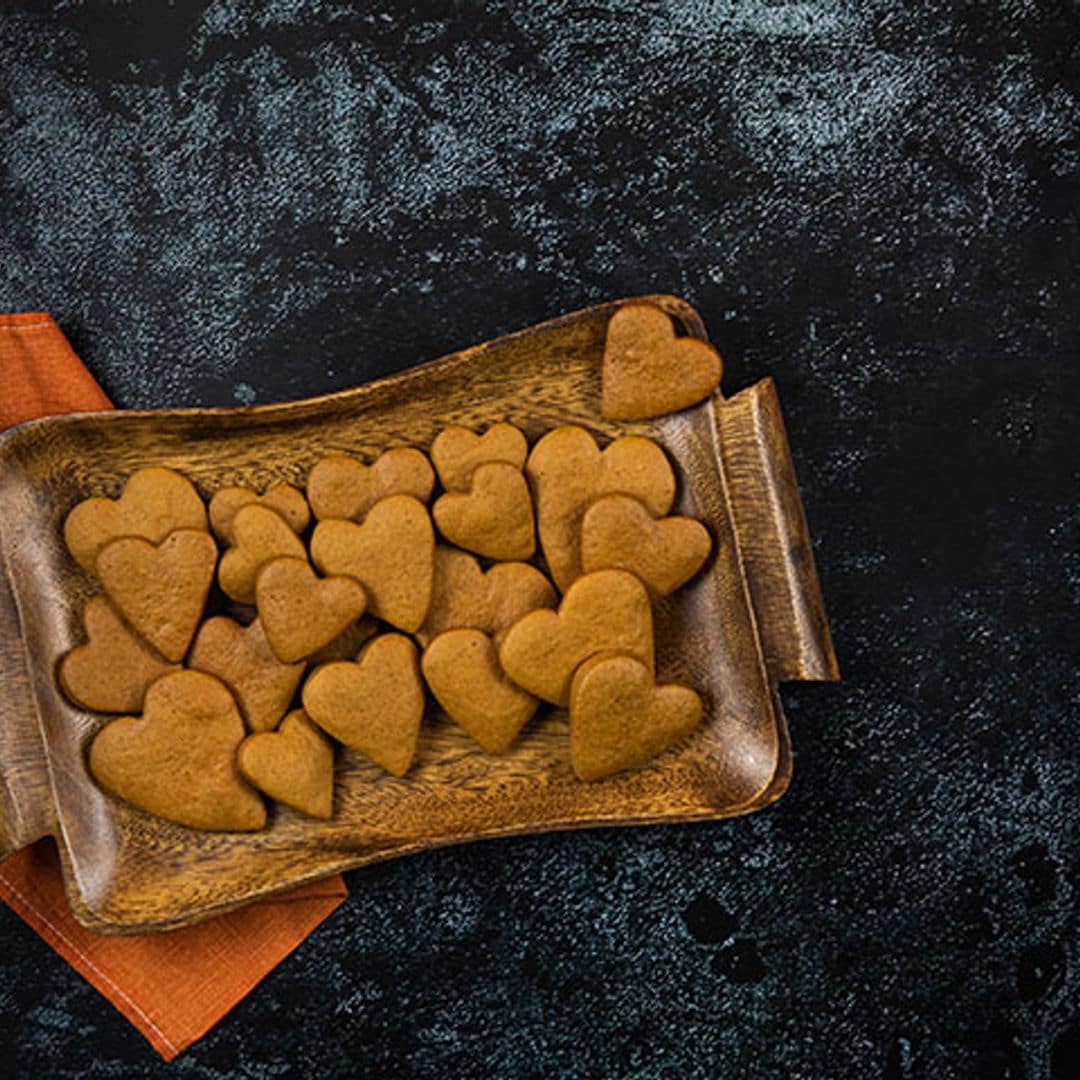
873	201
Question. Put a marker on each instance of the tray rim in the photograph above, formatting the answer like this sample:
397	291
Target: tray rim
675	306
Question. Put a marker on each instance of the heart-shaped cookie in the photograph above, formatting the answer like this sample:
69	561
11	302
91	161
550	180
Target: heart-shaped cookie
111	672
294	765
463	595
241	657
347	644
339	486
648	371
259	535
160	589
514	589
494	518
374	705
283	499
392	554
178	760
607	610
456	452
568	472
302	613
463	672
617	532
620	719
154	503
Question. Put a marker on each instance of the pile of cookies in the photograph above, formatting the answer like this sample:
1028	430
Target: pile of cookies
244	638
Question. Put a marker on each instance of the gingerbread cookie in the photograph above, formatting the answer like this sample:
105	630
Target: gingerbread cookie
463	595
111	672
160	589
283	499
242	659
456	452
294	765
617	532
178	759
458	593
154	503
648	371
339	486
494	518
347	644
463	672
374	705
606	610
568	472
620	719
259	535
391	554
302	613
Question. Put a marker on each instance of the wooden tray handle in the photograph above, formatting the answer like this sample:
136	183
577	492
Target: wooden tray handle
26	812
773	537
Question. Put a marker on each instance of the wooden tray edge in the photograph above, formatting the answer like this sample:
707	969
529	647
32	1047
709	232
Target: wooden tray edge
775	550
26	795
684	313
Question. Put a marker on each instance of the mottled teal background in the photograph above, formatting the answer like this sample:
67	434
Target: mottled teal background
875	201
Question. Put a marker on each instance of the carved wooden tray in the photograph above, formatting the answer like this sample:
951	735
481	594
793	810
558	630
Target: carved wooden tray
753	618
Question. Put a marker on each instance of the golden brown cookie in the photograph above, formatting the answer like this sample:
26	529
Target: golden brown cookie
568	472
391	554
339	486
374	705
154	503
648	371
606	610
294	765
300	612
259	535
242	659
620	719
160	589
283	499
463	672
463	595
458	593
617	532
494	518
178	759
456	452
111	672
347	644
514	589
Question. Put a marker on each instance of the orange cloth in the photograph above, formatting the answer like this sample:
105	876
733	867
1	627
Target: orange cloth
172	986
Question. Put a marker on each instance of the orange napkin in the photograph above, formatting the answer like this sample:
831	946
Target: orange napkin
172	986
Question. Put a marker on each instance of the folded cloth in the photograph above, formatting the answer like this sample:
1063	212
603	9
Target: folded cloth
172	986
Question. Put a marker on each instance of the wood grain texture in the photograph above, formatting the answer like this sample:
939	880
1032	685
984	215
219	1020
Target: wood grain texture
129	872
774	541
26	803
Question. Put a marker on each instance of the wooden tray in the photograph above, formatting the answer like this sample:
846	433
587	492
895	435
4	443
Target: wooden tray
752	618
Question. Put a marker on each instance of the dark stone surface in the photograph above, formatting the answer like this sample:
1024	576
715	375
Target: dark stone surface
873	201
